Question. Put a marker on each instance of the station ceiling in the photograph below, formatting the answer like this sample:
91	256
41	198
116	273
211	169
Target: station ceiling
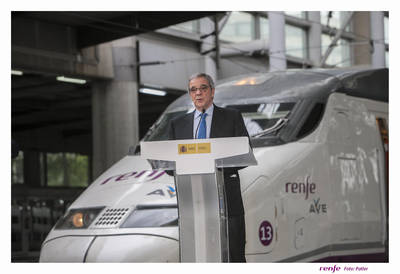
39	101
93	28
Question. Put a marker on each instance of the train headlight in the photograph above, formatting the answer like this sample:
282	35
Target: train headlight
79	218
145	216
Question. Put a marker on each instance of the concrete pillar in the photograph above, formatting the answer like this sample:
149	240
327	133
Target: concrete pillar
314	37
32	168
115	108
362	30
206	27
277	48
377	35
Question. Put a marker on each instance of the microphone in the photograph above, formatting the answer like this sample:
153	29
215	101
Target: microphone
202	115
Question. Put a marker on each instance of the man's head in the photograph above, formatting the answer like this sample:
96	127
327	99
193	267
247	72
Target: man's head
201	90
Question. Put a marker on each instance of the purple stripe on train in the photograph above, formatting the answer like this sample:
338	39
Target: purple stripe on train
153	175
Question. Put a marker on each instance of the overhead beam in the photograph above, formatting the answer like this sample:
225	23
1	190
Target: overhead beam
55	125
49	116
48	89
27	105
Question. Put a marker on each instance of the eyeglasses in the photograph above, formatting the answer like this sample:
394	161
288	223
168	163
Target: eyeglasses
202	88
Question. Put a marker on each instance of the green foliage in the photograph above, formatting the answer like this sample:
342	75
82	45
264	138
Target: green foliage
78	168
17	169
55	169
67	169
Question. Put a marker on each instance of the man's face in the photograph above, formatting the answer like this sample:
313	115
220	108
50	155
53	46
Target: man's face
201	93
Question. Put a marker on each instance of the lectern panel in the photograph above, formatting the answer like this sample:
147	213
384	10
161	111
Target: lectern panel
199	181
202	230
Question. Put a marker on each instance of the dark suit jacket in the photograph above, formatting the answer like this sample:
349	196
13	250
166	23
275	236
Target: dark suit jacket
225	123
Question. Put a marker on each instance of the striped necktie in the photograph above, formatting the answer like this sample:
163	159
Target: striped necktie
203	127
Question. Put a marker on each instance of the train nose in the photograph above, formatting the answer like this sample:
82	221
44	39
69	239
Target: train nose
66	249
112	248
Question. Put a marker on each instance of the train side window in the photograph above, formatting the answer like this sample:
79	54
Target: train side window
312	121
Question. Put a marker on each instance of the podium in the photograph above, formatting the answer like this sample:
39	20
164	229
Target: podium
199	182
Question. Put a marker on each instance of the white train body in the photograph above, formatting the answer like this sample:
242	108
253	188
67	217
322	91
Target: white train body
322	196
340	208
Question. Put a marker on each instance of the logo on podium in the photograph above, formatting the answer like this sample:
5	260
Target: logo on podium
196	148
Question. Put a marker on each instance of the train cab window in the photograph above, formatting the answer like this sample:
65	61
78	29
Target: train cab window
312	121
263	118
159	131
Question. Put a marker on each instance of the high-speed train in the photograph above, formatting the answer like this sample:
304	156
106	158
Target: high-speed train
318	193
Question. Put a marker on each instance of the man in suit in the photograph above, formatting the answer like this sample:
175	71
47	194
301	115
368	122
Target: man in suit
211	121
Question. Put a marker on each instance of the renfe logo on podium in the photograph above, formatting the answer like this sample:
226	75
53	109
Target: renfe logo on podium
194	148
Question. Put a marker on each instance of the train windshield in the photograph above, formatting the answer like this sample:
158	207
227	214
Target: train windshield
159	130
263	120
